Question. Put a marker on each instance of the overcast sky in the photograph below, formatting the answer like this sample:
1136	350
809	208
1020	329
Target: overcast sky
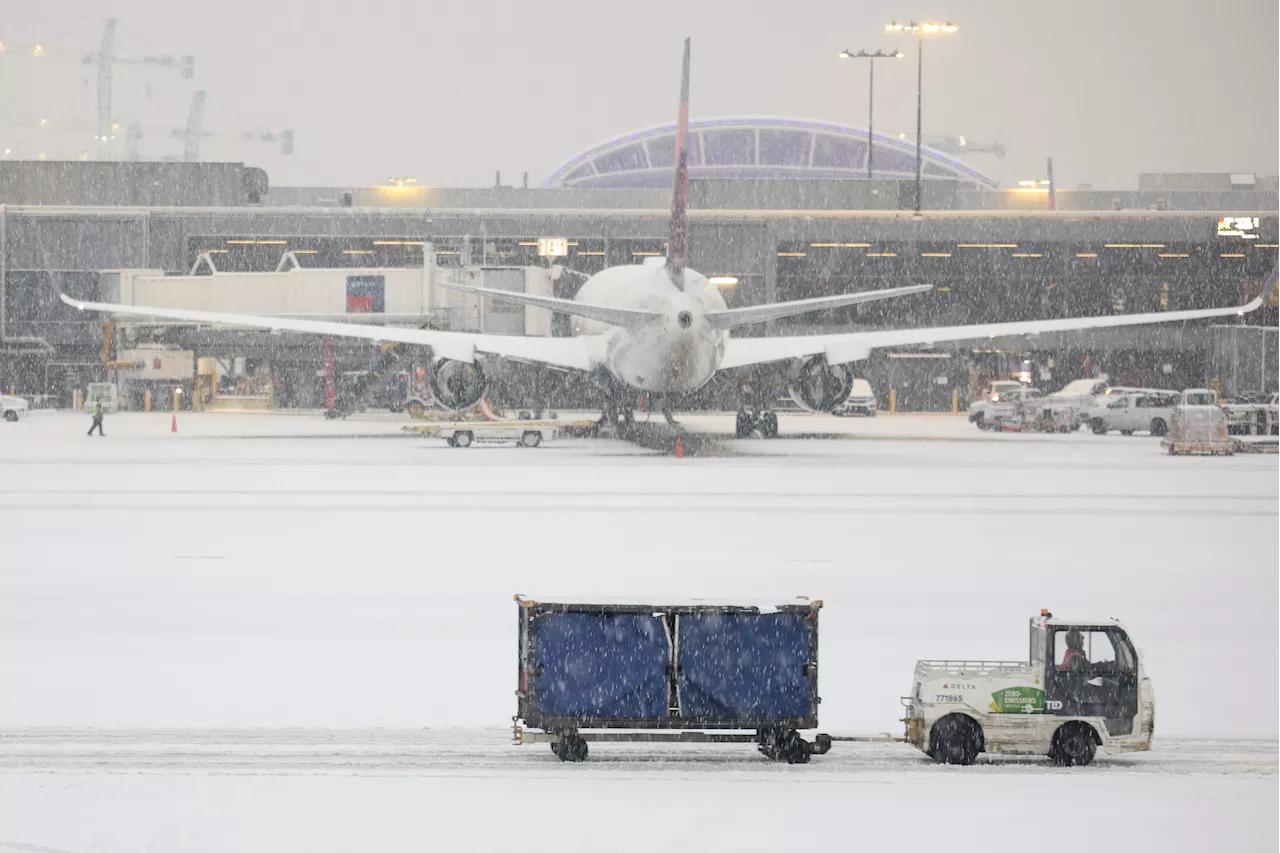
449	92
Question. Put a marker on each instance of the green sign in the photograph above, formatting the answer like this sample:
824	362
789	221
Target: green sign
1018	700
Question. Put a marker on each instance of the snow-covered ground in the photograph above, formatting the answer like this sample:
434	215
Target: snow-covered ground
246	577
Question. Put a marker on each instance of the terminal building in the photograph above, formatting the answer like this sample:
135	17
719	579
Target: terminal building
780	210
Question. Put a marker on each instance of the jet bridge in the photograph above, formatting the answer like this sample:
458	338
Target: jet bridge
395	296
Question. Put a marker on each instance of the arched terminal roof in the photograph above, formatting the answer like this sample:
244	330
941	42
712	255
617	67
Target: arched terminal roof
756	148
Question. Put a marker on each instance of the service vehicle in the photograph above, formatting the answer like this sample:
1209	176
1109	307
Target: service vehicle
1025	409
1082	392
1145	411
1082	687
1198	397
703	672
103	392
1000	403
1001	386
1255	417
467	433
13	408
862	401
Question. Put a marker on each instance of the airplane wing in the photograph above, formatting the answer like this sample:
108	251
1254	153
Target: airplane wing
855	346
459	346
735	317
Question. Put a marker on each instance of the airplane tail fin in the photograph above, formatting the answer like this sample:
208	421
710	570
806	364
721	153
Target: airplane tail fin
679	192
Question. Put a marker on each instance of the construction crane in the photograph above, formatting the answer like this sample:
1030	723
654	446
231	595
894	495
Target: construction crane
194	132
105	59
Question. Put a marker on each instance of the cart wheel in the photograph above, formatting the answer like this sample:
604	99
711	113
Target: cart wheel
769	742
417	410
769	425
572	748
1074	745
796	749
463	438
742	426
1126	432
532	438
1159	427
1098	427
821	744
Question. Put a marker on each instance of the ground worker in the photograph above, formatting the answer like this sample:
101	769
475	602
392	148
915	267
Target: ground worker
97	418
1075	659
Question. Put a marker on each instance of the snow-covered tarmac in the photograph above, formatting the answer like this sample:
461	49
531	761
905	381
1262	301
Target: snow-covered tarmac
198	598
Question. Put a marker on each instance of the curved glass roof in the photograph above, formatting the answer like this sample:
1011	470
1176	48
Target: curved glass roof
745	148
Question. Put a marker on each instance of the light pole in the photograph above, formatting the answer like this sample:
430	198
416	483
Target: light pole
871	93
920	30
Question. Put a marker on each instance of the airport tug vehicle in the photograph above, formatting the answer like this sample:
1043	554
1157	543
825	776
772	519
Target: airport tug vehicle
1082	688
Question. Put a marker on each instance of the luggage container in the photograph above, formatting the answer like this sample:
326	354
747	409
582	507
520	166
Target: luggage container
691	672
1198	429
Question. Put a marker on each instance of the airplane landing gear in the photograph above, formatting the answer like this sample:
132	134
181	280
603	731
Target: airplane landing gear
616	417
750	419
666	413
748	423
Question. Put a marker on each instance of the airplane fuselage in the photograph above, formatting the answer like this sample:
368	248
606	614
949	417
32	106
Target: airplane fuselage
675	353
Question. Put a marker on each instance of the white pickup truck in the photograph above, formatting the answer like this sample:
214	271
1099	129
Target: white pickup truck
1083	687
1134	411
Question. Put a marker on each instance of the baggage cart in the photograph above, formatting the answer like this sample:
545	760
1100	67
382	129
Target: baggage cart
663	672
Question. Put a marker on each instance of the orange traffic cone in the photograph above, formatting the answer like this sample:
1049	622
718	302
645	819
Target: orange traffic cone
173	427
679	448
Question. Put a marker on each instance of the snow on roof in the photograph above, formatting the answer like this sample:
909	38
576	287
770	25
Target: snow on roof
1077	386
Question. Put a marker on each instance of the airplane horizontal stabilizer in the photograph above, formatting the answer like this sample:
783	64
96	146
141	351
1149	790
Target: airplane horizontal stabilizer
585	310
735	317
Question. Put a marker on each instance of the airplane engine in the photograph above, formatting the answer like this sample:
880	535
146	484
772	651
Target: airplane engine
816	386
456	385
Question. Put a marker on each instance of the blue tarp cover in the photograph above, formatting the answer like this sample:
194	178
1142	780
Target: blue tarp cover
744	666
602	666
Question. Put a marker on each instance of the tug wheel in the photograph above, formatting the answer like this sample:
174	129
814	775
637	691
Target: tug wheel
956	739
1074	745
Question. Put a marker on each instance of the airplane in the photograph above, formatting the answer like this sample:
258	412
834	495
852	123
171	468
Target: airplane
660	328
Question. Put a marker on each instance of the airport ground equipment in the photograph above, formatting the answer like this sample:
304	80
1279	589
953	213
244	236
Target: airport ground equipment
1253	418
1024	410
1198	429
523	433
1082	687
351	398
653	672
